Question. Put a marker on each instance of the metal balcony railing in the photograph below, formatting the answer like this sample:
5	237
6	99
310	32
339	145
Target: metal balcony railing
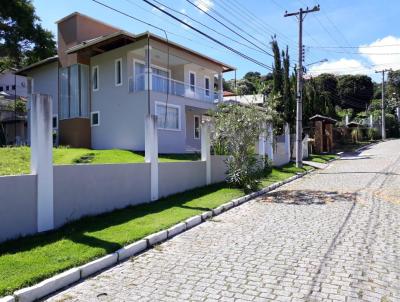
174	87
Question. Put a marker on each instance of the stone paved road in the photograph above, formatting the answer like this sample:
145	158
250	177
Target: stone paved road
330	236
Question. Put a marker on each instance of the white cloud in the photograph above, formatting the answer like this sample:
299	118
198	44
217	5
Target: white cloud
204	5
342	66
380	54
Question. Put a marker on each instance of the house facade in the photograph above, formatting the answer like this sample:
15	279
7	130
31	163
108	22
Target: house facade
105	81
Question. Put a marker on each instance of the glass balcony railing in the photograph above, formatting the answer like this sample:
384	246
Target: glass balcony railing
166	85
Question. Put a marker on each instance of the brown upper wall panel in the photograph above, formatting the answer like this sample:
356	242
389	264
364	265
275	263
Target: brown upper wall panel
75	29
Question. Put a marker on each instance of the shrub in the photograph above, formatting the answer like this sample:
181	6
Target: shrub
372	134
236	131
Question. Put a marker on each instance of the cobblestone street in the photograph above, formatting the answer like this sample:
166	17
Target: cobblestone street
333	235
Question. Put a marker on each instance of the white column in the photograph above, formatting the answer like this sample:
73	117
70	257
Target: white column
270	143
42	158
205	149
151	153
398	113
148	78
220	87
346	120
287	140
371	121
305	146
261	144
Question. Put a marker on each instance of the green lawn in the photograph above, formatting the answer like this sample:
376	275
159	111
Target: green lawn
321	158
29	260
16	160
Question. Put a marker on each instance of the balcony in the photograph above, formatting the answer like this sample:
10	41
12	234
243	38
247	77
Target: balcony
166	85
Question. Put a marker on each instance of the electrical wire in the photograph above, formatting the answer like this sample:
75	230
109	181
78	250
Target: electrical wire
210	37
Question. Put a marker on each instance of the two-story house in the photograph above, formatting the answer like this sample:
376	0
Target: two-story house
105	81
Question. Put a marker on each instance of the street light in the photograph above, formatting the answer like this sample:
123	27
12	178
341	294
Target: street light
321	61
317	62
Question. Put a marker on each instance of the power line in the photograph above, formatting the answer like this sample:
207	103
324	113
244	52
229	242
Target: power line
210	37
235	32
252	18
208	27
368	46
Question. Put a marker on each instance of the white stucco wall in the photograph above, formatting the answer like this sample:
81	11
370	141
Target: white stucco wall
45	80
122	113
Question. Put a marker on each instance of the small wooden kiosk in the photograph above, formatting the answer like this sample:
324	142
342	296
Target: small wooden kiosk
323	133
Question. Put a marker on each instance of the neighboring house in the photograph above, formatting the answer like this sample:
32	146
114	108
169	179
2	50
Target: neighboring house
255	99
102	87
12	84
13	125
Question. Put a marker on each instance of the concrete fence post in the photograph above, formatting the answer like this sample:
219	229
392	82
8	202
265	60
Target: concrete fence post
305	146
270	143
261	144
205	149
42	158
287	141
151	153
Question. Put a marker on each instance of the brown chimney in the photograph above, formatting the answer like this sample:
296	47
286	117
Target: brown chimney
74	29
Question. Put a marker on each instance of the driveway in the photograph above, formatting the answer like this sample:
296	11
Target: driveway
333	235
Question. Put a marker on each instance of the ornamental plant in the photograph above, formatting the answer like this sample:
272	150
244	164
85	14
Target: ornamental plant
237	128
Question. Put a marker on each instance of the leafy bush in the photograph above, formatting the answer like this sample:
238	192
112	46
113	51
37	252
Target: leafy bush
356	135
236	131
373	134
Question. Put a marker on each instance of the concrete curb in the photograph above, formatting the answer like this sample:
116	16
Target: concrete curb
73	275
98	265
176	229
193	221
132	249
48	286
157	237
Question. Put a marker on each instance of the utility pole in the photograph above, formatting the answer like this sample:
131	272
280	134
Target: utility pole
299	98
383	126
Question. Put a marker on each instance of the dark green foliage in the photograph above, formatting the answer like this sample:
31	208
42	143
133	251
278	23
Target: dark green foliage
355	91
22	39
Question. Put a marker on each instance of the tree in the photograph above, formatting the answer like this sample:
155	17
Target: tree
287	91
22	39
277	69
237	128
355	91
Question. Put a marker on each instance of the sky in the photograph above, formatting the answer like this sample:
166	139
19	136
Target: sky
355	37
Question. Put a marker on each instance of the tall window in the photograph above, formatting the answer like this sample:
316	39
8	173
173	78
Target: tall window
74	91
118	72
139	76
95	78
207	86
192	81
168	116
196	127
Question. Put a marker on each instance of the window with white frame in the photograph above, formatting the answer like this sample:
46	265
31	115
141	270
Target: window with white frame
196	127
118	72
168	116
207	86
192	80
95	78
95	118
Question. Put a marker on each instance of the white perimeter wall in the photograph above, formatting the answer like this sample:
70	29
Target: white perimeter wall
86	190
